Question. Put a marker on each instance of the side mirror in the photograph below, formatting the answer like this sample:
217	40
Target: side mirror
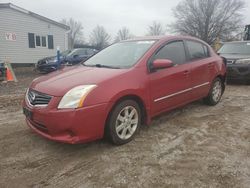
162	64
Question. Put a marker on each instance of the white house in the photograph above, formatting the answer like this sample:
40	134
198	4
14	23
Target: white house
26	37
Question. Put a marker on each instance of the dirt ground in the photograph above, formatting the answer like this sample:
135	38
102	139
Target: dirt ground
195	146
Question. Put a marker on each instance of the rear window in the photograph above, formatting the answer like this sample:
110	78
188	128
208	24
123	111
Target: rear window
197	50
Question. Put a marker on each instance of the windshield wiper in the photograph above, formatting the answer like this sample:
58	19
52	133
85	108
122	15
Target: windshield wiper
102	66
106	66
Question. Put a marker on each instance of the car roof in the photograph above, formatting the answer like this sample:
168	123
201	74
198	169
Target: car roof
165	38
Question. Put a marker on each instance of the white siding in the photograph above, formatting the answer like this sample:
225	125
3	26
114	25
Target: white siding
12	21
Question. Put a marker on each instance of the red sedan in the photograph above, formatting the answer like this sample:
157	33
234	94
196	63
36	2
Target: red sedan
122	87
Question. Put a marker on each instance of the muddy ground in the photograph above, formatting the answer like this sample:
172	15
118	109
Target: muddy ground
195	146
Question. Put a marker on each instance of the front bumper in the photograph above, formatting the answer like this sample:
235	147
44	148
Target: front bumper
69	125
238	72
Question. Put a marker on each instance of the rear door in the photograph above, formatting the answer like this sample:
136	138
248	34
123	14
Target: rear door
201	64
170	87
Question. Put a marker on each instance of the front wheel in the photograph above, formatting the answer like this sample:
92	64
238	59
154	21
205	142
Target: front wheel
215	92
124	122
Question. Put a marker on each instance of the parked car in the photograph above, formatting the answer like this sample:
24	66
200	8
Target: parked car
79	55
68	57
238	60
122	87
49	64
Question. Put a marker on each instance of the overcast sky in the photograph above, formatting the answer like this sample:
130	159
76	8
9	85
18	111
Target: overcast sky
112	14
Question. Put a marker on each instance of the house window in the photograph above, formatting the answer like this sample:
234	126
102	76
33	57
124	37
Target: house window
50	42
38	40
43	41
31	37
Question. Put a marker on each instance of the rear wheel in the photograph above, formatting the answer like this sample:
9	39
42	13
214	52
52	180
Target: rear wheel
215	92
124	122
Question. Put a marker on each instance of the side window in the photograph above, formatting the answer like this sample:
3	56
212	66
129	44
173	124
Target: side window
197	50
173	51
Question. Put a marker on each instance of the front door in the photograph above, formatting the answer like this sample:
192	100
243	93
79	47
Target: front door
170	87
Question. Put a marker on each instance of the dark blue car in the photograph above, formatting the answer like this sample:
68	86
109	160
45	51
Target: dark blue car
69	57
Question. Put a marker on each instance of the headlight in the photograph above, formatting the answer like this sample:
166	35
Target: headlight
243	61
74	98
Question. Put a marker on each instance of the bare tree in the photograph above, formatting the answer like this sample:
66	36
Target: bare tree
208	19
155	29
75	33
123	34
99	37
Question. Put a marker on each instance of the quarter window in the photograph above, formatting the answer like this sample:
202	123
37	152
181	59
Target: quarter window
197	50
173	51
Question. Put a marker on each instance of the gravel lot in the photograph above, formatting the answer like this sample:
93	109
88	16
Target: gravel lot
195	146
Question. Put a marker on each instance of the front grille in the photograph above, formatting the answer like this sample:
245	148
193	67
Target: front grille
38	99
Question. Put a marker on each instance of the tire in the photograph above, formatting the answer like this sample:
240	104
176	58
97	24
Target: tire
124	122
215	93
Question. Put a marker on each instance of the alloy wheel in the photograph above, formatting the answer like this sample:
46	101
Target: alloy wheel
126	122
217	91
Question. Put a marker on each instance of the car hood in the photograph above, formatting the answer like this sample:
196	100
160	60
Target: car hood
235	56
59	82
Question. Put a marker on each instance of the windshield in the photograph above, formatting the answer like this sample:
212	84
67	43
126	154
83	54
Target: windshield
235	48
74	52
122	55
66	52
82	52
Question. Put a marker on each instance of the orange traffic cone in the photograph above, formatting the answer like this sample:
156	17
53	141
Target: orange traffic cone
9	76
